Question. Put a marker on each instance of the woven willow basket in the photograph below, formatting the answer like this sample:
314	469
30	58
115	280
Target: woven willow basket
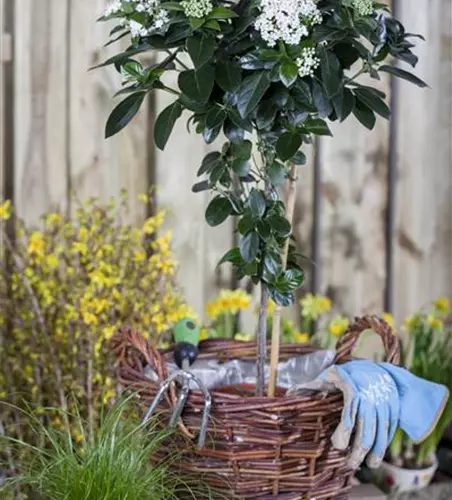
257	447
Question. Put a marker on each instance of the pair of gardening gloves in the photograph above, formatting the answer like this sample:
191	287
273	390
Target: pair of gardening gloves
378	398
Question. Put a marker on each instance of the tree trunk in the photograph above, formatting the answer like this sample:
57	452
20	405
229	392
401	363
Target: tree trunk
262	341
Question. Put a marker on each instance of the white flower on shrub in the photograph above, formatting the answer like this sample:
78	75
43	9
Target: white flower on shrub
157	17
286	20
307	62
197	8
364	7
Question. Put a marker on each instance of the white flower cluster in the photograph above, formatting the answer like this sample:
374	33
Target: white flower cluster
197	8
364	7
158	17
307	62
286	20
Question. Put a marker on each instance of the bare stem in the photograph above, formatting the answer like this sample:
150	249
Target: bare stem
262	341
276	326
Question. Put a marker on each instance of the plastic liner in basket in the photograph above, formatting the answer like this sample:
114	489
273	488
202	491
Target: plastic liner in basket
292	373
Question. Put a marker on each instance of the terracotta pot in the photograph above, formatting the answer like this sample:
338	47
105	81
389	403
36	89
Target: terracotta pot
397	479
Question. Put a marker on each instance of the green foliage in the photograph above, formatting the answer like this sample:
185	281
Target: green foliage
426	352
239	83
121	462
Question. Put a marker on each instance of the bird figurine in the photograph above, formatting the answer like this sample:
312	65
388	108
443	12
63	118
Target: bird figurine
186	337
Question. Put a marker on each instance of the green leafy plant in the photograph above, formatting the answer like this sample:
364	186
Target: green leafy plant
269	83
426	352
118	463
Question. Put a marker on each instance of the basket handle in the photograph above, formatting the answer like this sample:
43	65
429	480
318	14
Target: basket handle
348	341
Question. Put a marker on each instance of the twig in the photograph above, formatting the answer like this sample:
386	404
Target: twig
276	327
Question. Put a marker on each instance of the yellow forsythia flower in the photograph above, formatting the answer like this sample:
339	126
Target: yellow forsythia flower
36	244
5	210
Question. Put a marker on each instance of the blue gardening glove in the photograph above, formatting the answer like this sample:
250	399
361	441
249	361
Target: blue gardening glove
378	398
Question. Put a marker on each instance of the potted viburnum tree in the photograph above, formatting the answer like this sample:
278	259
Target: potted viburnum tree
265	76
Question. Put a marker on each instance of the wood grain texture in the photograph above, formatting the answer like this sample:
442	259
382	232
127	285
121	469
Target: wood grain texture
41	107
354	191
423	253
100	167
198	247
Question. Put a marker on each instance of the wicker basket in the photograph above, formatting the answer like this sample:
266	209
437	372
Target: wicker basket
257	447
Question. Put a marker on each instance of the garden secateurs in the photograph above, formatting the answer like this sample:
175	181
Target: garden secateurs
186	336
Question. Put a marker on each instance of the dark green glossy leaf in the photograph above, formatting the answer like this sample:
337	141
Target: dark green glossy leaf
321	101
222	13
217	173
197	85
257	203
201	49
348	104
266	113
242	150
209	162
251	92
317	126
249	246
282	299
200	186
364	114
288	73
299	158
405	75
246	224
288	144
233	133
165	124
196	22
215	117
280	225
172	6
264	230
228	76
239	121
123	113
212	24
277	173
218	211
210	134
331	72
241	167
293	278
373	101
272	263
232	256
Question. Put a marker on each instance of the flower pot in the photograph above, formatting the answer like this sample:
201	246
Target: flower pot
398	479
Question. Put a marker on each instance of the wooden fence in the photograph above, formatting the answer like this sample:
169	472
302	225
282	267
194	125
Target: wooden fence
374	210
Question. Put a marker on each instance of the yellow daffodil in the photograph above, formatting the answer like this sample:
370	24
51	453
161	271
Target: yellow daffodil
228	302
302	337
5	210
204	334
442	306
412	322
314	306
338	326
389	318
434	322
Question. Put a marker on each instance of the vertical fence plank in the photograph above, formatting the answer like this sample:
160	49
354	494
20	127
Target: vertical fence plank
198	247
354	171
424	197
41	106
100	167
